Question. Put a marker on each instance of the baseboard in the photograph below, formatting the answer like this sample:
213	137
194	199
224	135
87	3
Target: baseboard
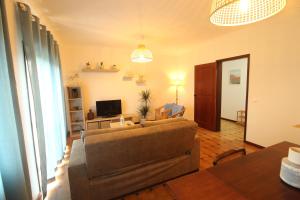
253	144
229	120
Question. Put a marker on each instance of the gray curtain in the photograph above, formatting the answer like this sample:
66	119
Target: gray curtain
43	62
31	46
2	195
56	92
13	162
41	135
56	47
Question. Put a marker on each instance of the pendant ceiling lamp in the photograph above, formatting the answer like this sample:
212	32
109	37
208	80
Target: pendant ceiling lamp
241	12
141	54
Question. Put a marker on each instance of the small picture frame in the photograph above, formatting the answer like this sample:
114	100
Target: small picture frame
235	76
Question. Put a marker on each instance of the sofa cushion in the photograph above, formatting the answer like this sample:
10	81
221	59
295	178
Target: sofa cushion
107	154
163	121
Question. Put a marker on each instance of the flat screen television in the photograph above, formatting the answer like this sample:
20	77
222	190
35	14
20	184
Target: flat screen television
108	108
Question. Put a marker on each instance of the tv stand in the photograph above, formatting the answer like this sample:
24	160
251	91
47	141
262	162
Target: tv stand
104	122
108	116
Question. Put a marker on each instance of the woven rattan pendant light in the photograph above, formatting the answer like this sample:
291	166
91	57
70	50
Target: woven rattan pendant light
241	12
141	54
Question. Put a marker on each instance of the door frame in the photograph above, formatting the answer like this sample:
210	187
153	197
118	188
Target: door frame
219	90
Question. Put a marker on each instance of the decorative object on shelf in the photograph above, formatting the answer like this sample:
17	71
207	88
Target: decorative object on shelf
241	12
75	93
145	97
290	168
88	65
99	66
76	108
113	67
141	54
74	77
90	115
128	76
141	80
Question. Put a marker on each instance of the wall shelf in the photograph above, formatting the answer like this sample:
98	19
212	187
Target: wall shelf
77	123
75	110
73	99
100	70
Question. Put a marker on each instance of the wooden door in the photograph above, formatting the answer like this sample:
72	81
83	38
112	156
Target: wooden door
205	109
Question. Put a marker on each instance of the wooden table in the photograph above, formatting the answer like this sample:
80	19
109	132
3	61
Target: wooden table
255	176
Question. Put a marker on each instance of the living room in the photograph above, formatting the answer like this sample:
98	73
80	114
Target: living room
93	48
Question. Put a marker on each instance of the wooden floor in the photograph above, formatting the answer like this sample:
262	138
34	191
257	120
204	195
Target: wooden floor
211	144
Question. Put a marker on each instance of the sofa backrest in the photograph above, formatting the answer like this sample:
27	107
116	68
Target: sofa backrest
163	121
116	152
107	130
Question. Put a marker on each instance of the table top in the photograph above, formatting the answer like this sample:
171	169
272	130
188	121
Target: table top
255	176
110	118
118	124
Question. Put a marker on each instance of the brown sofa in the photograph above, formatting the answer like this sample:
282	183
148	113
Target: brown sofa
112	164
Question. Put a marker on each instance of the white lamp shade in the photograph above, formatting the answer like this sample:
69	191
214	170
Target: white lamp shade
241	12
141	54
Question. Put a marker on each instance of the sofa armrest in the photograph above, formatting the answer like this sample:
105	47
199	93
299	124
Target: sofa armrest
78	179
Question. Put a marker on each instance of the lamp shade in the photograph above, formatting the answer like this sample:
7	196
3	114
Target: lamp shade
241	12
141	54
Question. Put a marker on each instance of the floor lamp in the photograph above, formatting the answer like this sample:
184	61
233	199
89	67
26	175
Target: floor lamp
177	84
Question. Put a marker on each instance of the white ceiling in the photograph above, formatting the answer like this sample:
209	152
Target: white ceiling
172	23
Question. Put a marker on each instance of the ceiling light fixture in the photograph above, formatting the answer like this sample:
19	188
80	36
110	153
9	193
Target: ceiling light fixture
241	12
141	54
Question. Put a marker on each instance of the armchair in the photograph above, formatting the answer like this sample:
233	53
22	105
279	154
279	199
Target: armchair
171	110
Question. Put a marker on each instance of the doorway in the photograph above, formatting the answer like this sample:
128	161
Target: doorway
232	92
221	94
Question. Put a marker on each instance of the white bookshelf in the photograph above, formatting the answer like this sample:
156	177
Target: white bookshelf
75	111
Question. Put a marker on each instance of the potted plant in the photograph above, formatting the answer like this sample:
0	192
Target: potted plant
144	108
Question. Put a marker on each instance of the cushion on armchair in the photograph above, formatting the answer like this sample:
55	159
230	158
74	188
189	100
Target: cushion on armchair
169	106
176	109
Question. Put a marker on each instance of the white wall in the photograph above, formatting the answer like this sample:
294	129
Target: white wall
273	44
233	95
103	86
